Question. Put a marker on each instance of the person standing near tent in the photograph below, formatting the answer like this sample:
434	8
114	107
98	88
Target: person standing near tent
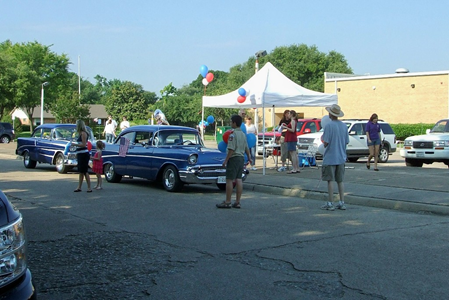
335	138
284	151
291	140
251	129
237	147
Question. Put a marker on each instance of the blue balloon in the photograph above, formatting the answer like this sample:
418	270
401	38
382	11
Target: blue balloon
210	119
242	92
243	128
251	139
222	146
204	70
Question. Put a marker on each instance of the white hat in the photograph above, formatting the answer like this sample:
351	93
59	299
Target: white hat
335	110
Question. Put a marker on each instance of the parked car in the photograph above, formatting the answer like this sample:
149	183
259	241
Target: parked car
172	155
49	144
15	277
428	148
303	126
357	146
6	132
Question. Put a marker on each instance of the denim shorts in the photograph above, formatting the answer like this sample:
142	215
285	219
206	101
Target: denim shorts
373	142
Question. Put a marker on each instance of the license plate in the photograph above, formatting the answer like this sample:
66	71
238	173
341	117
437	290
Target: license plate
221	179
419	154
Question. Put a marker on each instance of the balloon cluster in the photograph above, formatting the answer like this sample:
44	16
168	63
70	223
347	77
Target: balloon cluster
210	120
242	95
250	139
207	76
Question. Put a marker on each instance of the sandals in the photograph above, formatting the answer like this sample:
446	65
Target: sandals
367	166
224	205
236	205
77	191
89	191
376	169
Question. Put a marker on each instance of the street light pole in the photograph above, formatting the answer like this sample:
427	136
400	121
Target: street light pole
42	101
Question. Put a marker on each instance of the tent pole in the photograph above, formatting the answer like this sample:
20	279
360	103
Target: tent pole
263	140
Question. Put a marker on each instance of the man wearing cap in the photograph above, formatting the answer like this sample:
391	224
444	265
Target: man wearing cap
335	138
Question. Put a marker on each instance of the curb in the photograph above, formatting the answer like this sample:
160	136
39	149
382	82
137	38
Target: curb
383	203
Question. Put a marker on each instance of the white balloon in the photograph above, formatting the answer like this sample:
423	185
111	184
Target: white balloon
325	120
205	82
321	149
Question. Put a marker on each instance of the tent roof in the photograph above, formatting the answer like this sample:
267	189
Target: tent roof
269	87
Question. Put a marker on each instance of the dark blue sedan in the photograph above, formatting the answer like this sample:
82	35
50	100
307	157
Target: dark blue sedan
172	155
48	144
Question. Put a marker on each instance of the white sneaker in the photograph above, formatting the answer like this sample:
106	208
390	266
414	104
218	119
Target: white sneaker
281	169
340	206
253	169
328	206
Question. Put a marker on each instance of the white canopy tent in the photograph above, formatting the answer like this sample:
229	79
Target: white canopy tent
269	88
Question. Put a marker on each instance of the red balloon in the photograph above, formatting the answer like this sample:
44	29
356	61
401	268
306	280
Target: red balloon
89	145
209	77
241	99
226	136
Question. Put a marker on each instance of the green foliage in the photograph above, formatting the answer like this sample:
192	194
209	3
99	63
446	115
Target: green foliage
67	108
128	99
403	131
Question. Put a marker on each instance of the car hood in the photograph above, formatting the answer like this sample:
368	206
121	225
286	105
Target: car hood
429	137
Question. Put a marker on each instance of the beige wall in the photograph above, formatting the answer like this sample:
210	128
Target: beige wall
393	99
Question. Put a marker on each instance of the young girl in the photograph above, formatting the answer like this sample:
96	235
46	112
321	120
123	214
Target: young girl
98	164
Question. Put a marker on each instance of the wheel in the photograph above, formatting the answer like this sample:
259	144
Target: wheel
110	175
60	165
383	155
353	159
410	162
5	139
28	162
170	179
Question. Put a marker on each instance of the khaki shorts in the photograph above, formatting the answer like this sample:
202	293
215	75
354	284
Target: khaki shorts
234	168
333	173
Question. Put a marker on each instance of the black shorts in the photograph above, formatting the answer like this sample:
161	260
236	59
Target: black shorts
234	168
83	162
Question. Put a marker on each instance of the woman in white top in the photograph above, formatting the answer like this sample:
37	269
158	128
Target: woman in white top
251	129
109	130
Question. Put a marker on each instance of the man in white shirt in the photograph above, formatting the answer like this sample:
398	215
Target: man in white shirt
124	124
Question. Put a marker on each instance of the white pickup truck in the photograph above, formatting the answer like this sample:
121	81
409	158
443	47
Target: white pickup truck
428	148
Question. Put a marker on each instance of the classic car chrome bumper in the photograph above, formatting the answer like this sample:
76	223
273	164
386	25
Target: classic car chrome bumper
205	175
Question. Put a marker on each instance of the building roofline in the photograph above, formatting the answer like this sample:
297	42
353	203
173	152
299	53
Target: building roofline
350	77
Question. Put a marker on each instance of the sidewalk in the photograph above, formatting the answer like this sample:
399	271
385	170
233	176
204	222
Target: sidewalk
395	186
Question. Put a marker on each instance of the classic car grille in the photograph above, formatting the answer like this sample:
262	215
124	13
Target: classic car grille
423	145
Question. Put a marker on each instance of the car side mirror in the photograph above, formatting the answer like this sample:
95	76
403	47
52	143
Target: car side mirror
427	131
307	130
353	132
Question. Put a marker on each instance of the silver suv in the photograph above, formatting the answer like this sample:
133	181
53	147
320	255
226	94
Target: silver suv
357	146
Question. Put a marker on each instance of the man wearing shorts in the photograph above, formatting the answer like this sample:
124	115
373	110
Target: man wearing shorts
335	138
237	146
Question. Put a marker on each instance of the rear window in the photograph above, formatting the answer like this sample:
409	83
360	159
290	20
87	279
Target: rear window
6	125
386	128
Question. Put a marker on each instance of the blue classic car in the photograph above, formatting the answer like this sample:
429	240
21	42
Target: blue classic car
173	155
48	144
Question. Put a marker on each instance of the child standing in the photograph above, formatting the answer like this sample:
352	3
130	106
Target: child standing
98	164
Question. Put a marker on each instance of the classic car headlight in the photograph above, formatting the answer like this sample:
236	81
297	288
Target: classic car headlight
193	158
408	143
72	148
441	143
12	251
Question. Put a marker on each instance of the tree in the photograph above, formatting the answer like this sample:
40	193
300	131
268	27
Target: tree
7	78
67	108
128	99
35	64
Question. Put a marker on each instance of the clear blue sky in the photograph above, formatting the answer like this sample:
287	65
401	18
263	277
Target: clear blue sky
153	43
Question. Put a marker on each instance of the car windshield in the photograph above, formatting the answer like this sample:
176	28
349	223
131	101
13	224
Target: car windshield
440	126
186	138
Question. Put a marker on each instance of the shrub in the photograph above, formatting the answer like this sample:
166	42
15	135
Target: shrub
403	131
